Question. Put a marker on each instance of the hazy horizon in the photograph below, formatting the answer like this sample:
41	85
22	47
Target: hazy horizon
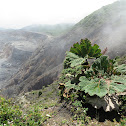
17	14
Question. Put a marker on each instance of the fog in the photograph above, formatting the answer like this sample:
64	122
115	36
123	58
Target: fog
20	13
114	30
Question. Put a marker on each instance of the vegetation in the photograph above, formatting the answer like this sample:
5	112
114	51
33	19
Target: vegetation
11	114
30	109
53	30
87	75
83	80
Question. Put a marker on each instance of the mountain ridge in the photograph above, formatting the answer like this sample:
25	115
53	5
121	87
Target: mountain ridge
97	27
52	30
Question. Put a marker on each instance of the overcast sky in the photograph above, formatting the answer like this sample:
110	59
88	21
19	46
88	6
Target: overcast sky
20	13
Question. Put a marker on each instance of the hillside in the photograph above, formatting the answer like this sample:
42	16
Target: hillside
44	107
53	30
106	27
16	47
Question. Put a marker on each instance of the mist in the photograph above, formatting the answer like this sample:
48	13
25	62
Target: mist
17	14
113	33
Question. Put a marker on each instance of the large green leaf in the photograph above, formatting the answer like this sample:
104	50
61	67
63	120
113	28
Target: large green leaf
85	48
116	88
74	59
77	62
69	86
103	63
95	51
86	45
96	89
93	86
121	68
80	52
83	51
71	55
74	50
120	79
101	87
78	49
84	82
117	84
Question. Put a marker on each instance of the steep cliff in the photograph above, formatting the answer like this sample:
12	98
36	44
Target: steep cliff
16	46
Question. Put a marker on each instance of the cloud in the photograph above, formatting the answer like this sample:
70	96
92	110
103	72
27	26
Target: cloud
17	13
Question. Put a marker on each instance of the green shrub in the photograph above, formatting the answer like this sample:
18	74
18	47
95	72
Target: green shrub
82	78
11	114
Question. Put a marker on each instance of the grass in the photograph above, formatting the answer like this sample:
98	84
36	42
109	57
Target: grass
46	109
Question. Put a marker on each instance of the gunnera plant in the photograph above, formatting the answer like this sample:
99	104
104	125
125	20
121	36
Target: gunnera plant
91	77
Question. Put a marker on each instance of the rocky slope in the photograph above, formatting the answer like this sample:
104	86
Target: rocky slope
16	47
105	27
